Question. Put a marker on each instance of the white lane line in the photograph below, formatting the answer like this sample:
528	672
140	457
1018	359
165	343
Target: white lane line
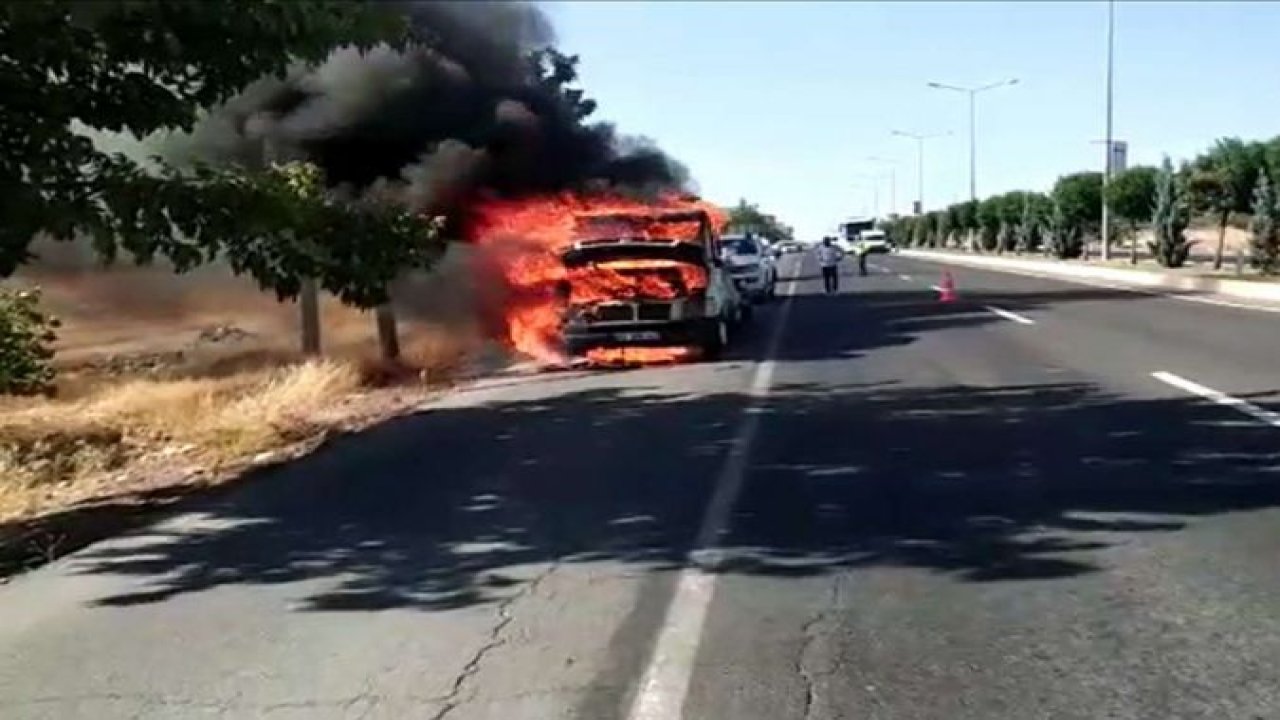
665	683
908	278
1010	315
1257	413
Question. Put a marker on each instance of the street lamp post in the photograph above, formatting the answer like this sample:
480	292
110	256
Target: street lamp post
972	92
1107	168
893	180
919	161
875	192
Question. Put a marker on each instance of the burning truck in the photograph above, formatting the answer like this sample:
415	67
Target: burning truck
613	282
647	287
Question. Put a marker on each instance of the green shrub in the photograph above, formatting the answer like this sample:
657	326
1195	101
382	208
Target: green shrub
1065	239
1169	220
1265	240
26	344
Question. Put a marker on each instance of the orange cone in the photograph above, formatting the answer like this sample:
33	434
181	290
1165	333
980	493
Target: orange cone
947	288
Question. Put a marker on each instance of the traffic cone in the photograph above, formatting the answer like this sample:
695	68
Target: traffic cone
947	288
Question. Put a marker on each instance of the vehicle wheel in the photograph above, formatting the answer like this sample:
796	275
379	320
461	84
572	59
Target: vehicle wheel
746	310
715	337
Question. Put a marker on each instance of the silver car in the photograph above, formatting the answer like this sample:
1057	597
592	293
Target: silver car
752	267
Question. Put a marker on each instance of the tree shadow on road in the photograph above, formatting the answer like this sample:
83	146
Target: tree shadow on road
457	505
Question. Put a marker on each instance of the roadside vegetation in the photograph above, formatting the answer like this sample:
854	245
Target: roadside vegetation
1223	199
748	217
160	323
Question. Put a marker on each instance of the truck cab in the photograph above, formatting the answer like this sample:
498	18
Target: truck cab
647	279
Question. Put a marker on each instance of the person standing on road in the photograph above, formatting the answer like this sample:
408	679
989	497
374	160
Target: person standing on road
829	257
862	259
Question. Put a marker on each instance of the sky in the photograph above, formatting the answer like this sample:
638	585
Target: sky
782	103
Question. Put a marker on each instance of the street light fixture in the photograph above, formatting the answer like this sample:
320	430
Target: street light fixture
920	161
972	92
893	180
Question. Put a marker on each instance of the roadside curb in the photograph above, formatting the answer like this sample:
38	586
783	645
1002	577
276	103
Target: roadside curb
1242	289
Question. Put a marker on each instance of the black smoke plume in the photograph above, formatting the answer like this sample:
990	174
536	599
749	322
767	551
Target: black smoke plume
482	103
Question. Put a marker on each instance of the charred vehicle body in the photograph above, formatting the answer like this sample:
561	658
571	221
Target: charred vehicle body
647	280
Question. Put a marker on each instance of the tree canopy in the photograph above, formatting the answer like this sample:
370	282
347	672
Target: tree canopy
143	66
748	217
1132	194
1079	197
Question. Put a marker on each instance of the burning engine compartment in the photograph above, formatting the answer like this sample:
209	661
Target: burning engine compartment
606	279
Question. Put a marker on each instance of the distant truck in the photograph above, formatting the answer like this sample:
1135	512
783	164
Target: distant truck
850	231
648	280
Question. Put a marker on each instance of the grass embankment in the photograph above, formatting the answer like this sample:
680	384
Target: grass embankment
152	406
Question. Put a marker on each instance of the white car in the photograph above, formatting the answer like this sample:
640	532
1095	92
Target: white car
873	241
752	268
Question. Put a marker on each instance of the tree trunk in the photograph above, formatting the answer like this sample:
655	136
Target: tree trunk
309	308
1222	239
388	338
1133	246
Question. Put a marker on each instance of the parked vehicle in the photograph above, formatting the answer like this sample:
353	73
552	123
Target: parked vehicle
645	280
753	269
873	241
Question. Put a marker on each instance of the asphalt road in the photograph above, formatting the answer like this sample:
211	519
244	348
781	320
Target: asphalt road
878	506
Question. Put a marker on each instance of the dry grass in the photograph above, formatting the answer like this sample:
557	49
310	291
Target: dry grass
52	452
146	398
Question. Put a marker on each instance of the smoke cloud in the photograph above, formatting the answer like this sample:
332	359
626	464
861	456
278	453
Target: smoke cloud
464	111
461	114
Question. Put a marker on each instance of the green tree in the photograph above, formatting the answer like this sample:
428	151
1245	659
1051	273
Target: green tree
1132	196
1079	199
943	227
747	217
966	221
1169	220
1236	165
955	223
902	230
1006	237
1065	238
71	65
26	344
1271	156
1031	224
920	231
929	223
989	216
1265	228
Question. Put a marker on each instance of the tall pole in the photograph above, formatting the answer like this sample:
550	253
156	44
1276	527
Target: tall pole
893	181
973	145
920	175
1107	167
919	161
875	191
973	92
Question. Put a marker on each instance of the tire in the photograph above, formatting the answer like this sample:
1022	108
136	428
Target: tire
715	335
745	311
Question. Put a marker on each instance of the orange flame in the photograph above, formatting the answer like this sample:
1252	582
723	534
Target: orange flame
521	239
639	355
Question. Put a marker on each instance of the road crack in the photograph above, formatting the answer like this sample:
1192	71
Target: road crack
803	669
495	639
